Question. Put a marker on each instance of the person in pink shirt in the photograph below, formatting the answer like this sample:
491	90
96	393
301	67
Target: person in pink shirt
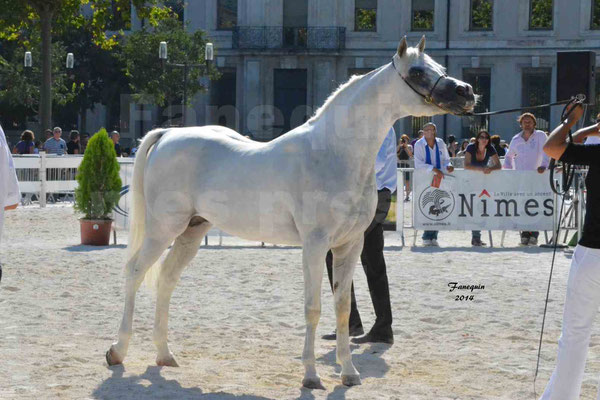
526	153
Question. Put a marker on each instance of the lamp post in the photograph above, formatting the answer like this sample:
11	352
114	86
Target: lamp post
46	93
186	66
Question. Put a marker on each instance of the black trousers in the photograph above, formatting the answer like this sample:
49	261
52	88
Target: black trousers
375	270
528	234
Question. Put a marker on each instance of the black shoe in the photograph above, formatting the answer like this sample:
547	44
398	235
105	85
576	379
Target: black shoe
353	332
371	338
477	243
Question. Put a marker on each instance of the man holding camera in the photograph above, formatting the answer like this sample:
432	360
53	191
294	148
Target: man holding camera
583	287
9	187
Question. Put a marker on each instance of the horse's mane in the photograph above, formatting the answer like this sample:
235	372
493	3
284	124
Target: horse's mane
350	82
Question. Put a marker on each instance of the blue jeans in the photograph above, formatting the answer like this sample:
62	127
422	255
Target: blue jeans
429	235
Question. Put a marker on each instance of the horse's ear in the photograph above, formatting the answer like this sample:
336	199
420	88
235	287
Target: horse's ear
402	47
421	45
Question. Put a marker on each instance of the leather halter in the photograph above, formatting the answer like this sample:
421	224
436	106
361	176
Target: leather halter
428	98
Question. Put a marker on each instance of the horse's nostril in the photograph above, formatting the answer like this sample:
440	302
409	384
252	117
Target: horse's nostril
462	91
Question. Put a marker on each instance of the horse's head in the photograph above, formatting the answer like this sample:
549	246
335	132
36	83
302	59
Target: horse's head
439	92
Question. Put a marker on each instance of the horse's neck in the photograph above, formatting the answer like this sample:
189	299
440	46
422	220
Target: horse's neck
357	121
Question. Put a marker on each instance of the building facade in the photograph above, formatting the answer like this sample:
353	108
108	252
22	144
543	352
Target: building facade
280	59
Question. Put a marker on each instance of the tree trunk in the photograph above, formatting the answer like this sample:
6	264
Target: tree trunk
46	89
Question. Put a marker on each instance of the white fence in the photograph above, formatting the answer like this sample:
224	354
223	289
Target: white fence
45	174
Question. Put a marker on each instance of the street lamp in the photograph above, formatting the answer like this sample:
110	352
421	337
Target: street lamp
28	60
208	58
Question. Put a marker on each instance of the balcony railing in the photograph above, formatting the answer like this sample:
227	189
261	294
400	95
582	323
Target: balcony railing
278	37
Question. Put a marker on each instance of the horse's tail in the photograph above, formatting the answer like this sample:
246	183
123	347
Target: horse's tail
137	217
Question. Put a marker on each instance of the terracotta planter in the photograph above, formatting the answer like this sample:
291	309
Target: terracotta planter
95	232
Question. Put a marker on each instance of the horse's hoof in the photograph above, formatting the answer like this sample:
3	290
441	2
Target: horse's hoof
112	359
167	362
313	383
351	380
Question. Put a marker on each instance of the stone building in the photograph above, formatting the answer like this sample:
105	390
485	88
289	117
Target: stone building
280	59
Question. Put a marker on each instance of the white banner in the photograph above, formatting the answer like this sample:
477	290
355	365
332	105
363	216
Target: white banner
472	200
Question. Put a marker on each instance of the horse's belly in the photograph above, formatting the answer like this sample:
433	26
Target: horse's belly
251	216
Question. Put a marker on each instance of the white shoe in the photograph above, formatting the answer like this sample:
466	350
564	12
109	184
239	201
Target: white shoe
434	243
427	242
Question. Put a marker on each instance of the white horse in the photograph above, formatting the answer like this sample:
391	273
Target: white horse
314	186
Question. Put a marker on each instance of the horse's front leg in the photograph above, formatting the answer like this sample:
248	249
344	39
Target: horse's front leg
344	260
313	263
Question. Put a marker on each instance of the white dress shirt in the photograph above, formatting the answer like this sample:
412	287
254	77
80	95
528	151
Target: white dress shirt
385	163
9	187
420	155
527	155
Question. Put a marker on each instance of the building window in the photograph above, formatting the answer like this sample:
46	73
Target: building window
422	15
537	83
481	80
177	6
295	21
120	17
417	124
226	14
595	23
365	15
481	15
540	14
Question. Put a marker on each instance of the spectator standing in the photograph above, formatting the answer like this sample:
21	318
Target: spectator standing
431	154
83	141
26	145
419	136
496	143
372	254
114	135
463	148
526	153
482	157
404	151
452	146
56	145
48	134
73	145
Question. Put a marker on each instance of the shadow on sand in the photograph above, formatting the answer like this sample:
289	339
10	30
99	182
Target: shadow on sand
369	363
80	248
137	387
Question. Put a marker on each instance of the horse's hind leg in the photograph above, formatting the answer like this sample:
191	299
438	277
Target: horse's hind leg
344	260
314	252
183	251
152	248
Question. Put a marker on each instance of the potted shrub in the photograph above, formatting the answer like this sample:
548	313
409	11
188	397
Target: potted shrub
98	189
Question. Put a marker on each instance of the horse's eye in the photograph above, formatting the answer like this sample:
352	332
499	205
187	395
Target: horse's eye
416	73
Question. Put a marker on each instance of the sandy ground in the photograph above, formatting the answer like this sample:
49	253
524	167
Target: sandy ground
237	323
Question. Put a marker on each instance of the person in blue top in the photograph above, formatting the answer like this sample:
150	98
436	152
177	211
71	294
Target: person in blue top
431	154
481	156
372	254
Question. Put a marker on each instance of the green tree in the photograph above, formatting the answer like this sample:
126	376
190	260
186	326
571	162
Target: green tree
149	82
98	178
49	17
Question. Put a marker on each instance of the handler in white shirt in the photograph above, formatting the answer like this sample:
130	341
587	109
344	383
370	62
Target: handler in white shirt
431	154
526	153
9	187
